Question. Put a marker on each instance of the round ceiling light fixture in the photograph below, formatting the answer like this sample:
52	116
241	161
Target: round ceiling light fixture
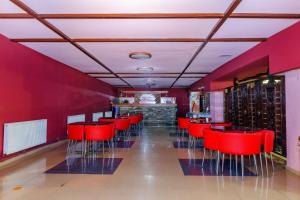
145	69
140	55
225	56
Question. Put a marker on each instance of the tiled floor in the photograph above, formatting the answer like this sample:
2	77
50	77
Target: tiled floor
150	169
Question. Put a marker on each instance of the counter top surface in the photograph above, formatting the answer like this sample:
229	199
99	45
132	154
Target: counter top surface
144	105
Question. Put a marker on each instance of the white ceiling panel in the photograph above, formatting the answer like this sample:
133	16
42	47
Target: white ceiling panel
148	75
243	28
166	57
113	81
8	7
269	6
159	82
138	28
185	82
67	54
127	6
25	28
217	53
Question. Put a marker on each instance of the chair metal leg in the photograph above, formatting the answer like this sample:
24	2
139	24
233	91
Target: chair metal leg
242	161
68	147
82	148
271	157
223	159
236	164
255	163
261	165
218	160
230	158
266	160
204	150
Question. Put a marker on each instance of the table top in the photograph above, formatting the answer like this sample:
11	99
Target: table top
203	122
91	123
235	129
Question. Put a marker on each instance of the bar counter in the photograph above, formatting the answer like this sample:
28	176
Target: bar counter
154	114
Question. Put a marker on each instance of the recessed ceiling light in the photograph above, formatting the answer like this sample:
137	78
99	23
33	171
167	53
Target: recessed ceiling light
145	69
140	55
225	56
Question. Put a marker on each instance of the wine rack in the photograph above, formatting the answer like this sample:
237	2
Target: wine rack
259	103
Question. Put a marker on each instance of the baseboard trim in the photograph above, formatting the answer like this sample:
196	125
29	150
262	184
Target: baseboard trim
30	154
292	171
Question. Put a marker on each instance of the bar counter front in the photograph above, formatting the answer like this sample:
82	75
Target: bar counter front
154	114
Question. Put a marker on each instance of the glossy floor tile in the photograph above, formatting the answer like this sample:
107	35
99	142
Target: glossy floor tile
149	170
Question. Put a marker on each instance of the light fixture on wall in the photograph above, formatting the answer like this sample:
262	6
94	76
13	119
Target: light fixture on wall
145	69
140	55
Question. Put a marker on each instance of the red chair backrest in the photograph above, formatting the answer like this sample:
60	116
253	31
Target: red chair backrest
269	141
211	139
196	130
99	132
134	119
75	132
183	123
239	143
122	124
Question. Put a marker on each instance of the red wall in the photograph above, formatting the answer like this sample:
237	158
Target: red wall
34	86
280	52
181	94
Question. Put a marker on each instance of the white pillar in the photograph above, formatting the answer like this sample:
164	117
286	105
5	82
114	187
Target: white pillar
292	95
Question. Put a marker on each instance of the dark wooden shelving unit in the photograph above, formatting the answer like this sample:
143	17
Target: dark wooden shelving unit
259	103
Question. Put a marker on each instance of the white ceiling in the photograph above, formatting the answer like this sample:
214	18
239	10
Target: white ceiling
68	54
127	6
215	55
140	28
269	6
167	57
247	28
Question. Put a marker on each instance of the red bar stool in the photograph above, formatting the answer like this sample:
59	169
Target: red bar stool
75	134
99	133
183	125
195	130
239	144
211	142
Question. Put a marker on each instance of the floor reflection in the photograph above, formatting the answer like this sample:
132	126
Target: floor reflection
86	165
185	144
193	167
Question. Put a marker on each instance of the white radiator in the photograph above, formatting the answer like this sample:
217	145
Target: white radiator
75	118
108	114
19	136
97	115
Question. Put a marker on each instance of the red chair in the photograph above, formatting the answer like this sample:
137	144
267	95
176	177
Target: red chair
195	130
267	140
75	134
239	144
210	141
134	121
99	133
183	124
